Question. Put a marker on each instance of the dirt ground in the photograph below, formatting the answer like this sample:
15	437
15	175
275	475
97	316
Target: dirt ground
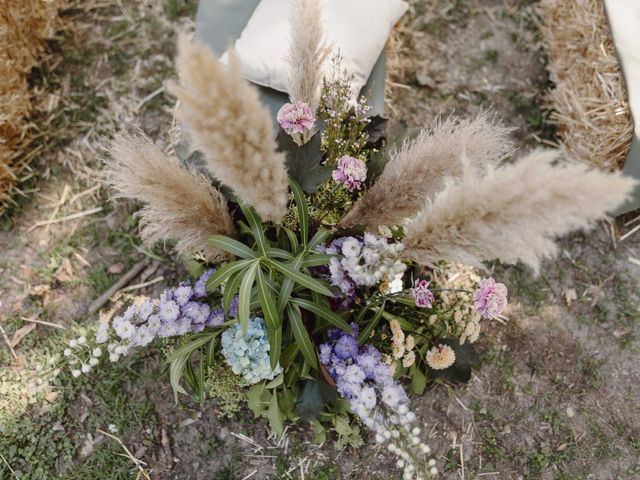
556	396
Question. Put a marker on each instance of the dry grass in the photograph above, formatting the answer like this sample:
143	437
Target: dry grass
24	25
589	101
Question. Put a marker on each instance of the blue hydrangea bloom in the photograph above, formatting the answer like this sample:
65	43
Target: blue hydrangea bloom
248	354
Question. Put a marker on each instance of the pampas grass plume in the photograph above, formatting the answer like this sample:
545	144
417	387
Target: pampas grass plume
180	204
231	127
308	52
513	213
418	170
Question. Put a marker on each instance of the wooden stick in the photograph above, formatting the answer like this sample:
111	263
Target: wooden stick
138	286
42	322
64	219
124	280
630	232
6	339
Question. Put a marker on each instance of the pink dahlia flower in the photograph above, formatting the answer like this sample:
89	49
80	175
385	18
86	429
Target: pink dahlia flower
351	172
490	298
296	118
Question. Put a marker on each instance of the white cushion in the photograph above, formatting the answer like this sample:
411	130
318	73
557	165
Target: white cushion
358	29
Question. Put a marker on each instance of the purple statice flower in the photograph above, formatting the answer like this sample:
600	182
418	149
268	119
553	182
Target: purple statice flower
233	308
296	118
490	299
350	172
216	318
325	353
421	294
199	289
169	311
346	347
183	294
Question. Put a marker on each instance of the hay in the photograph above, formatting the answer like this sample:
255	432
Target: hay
24	25
589	100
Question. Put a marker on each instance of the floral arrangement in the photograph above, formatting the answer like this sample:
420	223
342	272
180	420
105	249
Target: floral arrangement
337	265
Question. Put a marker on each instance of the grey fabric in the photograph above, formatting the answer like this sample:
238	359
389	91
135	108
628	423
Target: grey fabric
220	22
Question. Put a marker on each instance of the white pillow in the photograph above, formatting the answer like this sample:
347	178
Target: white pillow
358	29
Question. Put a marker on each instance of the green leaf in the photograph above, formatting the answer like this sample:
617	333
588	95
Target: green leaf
244	296
279	253
192	343
304	163
275	345
293	240
231	246
224	272
176	370
274	415
365	333
302	336
302	278
230	290
322	312
276	382
194	267
404	300
288	284
289	355
319	432
418	380
406	326
303	213
316	259
321	235
255	400
315	395
257	229
268	305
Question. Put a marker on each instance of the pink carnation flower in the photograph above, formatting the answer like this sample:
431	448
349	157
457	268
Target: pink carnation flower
422	295
351	172
490	298
296	118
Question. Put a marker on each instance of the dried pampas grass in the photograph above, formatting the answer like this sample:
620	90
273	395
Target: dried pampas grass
231	127
180	204
418	170
513	213
589	100
308	52
24	26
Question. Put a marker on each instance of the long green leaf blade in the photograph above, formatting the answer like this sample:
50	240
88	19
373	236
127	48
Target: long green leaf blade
322	312
365	333
303	213
230	290
321	235
293	240
275	345
302	278
223	273
288	283
244	296
231	246
316	260
302	336
257	229
268	305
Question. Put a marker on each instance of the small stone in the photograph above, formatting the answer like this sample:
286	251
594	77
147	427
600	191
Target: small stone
570	412
425	80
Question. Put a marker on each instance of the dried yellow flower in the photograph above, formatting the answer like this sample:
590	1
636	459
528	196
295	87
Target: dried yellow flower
409	359
441	357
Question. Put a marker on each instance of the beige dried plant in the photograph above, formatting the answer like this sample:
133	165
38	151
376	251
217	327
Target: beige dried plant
418	170
179	203
234	131
513	213
308	52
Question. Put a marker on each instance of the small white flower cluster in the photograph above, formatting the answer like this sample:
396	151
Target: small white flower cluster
404	441
81	357
371	260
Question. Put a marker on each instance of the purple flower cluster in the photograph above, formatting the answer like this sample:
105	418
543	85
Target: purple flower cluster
421	294
179	311
360	374
350	172
367	383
